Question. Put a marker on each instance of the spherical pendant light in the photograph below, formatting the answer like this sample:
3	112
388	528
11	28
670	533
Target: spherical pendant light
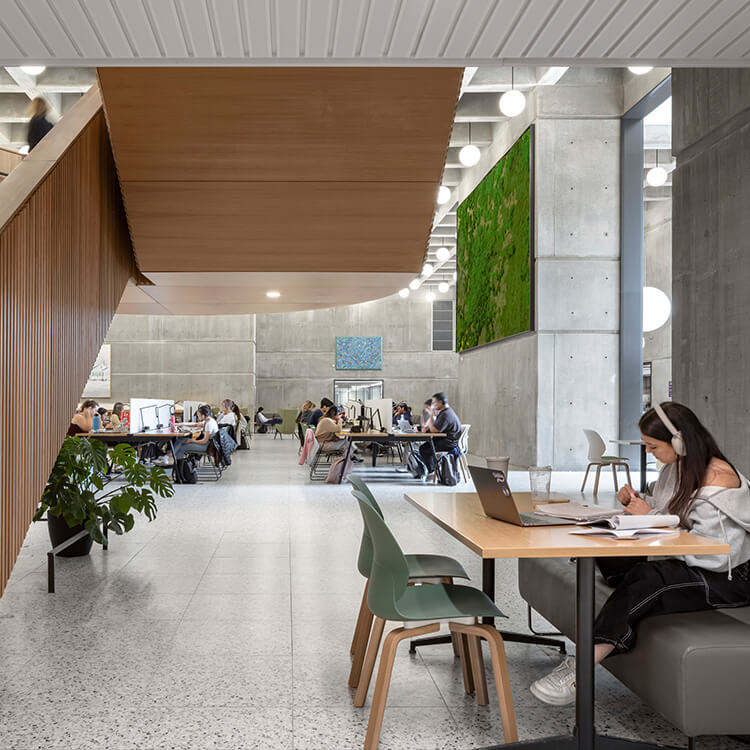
414	284
640	70
455	276
469	155
442	254
656	308
656	176
444	195
430	296
512	103
443	287
33	70
428	269
403	293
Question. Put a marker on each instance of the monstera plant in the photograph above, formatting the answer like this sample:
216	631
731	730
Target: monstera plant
82	493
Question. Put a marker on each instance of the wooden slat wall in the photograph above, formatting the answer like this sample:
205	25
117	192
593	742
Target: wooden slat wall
8	160
65	258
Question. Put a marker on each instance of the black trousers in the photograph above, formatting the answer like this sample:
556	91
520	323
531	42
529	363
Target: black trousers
658	587
441	444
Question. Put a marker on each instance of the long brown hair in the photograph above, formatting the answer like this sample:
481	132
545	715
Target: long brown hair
37	107
700	448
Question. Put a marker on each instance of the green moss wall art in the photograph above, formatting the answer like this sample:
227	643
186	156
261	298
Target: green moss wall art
493	251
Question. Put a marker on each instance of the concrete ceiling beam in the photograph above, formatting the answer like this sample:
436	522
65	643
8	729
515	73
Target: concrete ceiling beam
28	85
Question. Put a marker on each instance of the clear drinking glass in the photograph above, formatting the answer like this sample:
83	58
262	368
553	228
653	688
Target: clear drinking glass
540	478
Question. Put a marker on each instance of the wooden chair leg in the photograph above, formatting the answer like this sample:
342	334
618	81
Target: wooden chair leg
465	657
360	646
372	654
614	475
456	647
477	667
585	477
596	483
383	681
500	668
360	617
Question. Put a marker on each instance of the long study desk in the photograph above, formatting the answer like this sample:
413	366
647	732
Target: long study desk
461	515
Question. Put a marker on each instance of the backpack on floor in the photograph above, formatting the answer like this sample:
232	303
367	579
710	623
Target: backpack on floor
338	468
149	451
447	470
416	465
184	471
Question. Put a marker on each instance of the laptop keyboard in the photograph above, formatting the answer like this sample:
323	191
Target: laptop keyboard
535	519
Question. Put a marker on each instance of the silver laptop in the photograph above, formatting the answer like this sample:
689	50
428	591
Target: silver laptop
500	503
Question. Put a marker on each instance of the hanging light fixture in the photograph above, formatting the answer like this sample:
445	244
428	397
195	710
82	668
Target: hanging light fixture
414	284
469	155
428	269
443	287
512	102
430	296
656	176
33	70
455	276
403	293
640	70
442	254
444	195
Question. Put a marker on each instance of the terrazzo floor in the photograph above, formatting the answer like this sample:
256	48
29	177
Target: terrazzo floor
226	624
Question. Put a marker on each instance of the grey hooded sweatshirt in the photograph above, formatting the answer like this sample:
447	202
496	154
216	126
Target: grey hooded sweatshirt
719	513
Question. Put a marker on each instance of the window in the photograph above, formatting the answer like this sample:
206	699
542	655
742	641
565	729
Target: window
442	326
353	390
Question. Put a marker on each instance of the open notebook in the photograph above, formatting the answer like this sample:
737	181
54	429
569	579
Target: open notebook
630	527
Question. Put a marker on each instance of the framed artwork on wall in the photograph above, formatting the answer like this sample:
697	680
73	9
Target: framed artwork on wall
359	352
99	384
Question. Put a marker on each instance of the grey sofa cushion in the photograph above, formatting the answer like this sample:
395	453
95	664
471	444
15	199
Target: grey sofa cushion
692	668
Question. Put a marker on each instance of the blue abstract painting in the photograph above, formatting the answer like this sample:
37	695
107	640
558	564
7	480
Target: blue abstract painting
359	352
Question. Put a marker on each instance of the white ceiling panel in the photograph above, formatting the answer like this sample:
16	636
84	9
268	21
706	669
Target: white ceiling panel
259	27
230	29
318	32
137	28
411	21
454	32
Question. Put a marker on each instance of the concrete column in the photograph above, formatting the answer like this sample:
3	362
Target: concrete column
711	252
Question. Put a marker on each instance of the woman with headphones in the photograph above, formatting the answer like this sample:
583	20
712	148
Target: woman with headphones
712	499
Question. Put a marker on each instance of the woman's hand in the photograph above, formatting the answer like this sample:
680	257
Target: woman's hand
638	507
627	494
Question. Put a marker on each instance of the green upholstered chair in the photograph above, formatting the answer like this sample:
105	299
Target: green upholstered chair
421	610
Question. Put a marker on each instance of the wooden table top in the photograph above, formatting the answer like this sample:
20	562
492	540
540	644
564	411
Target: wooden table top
461	515
119	435
374	435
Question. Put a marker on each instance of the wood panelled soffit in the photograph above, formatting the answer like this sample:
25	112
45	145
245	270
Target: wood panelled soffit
297	170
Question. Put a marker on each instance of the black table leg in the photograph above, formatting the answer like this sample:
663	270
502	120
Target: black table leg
346	458
374	454
644	481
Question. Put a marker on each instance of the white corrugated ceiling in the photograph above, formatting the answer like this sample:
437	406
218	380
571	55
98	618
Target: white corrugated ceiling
601	32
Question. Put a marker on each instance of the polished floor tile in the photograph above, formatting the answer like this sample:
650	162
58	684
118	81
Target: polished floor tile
226	623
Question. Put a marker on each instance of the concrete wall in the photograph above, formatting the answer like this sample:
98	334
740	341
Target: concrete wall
197	357
657	347
711	259
551	384
296	352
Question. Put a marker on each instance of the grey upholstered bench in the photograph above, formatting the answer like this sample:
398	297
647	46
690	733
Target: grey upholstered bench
693	668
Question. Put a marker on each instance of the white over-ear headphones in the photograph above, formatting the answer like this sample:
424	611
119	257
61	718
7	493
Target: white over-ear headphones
678	443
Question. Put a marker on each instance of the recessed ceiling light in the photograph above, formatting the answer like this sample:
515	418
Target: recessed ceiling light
428	269
443	287
430	296
33	70
273	295
403	293
414	284
469	155
640	70
443	253
444	195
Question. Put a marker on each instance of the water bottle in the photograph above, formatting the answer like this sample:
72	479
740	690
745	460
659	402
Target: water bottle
97	423
172	425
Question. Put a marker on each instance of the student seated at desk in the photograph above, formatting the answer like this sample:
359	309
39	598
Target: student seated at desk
443	419
424	417
83	419
305	413
115	418
401	411
325	405
326	433
227	415
198	445
712	499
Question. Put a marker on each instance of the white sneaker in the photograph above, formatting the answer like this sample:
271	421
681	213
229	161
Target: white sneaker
558	688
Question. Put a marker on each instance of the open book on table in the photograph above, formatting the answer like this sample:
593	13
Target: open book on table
630	527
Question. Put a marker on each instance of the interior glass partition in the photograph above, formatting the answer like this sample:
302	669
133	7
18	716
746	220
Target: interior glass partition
356	390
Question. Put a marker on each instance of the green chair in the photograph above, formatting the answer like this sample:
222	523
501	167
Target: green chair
390	597
422	569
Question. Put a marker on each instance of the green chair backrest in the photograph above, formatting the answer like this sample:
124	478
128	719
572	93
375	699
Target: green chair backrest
390	572
288	426
364	561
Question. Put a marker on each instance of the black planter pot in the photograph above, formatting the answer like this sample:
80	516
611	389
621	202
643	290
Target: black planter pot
59	531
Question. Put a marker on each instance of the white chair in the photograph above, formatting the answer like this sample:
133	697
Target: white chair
463	446
598	459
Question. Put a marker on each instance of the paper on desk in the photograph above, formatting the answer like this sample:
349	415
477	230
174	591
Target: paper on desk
623	533
624	521
575	511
